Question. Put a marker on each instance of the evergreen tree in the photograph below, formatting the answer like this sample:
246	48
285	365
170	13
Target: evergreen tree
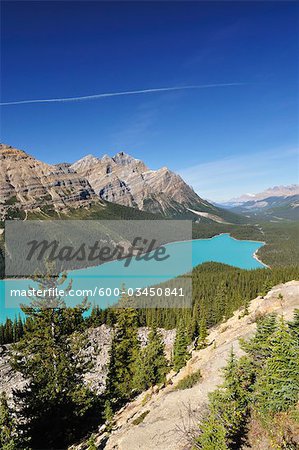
222	301
123	354
193	329
56	401
231	401
151	365
7	426
294	325
203	333
108	411
258	346
246	306
180	354
92	443
266	287
277	388
213	434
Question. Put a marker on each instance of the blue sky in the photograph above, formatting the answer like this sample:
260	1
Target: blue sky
225	141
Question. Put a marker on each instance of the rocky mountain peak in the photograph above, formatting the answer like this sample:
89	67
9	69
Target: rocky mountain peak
26	183
126	180
106	158
85	162
7	151
124	159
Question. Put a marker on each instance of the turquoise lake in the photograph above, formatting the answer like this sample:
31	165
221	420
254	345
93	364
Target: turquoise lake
182	257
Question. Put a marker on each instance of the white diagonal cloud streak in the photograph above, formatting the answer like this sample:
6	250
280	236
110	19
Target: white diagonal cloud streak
116	94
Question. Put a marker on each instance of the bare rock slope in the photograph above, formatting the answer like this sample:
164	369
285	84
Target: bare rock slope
99	341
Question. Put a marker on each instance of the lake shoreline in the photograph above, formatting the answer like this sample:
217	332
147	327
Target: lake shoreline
220	248
259	260
254	255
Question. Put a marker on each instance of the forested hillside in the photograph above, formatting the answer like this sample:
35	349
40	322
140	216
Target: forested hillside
257	404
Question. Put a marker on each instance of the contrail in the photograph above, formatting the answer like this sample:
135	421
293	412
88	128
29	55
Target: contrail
115	94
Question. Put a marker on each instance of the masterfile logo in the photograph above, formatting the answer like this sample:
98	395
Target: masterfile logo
102	259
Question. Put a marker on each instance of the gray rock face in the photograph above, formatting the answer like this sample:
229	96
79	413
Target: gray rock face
9	379
128	181
97	349
30	184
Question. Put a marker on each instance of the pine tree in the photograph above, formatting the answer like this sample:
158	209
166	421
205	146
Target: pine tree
267	286
92	443
246	307
151	365
231	401
263	385
213	434
193	330
56	399
294	325
203	333
258	346
123	354
222	301
7	426
180	354
277	388
20	328
108	411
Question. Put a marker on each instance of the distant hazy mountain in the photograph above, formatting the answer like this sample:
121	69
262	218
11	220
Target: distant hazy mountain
279	202
276	191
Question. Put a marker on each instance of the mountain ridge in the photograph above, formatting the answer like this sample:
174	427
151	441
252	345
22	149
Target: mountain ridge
27	184
274	204
128	181
275	191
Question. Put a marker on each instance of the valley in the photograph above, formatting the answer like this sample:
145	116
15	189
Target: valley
238	253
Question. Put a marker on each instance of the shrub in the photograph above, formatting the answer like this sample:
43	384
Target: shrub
189	381
140	418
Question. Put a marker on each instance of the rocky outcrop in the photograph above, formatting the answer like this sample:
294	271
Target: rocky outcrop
97	350
128	181
30	184
9	378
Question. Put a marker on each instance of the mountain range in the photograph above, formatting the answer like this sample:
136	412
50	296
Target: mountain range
27	184
276	203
